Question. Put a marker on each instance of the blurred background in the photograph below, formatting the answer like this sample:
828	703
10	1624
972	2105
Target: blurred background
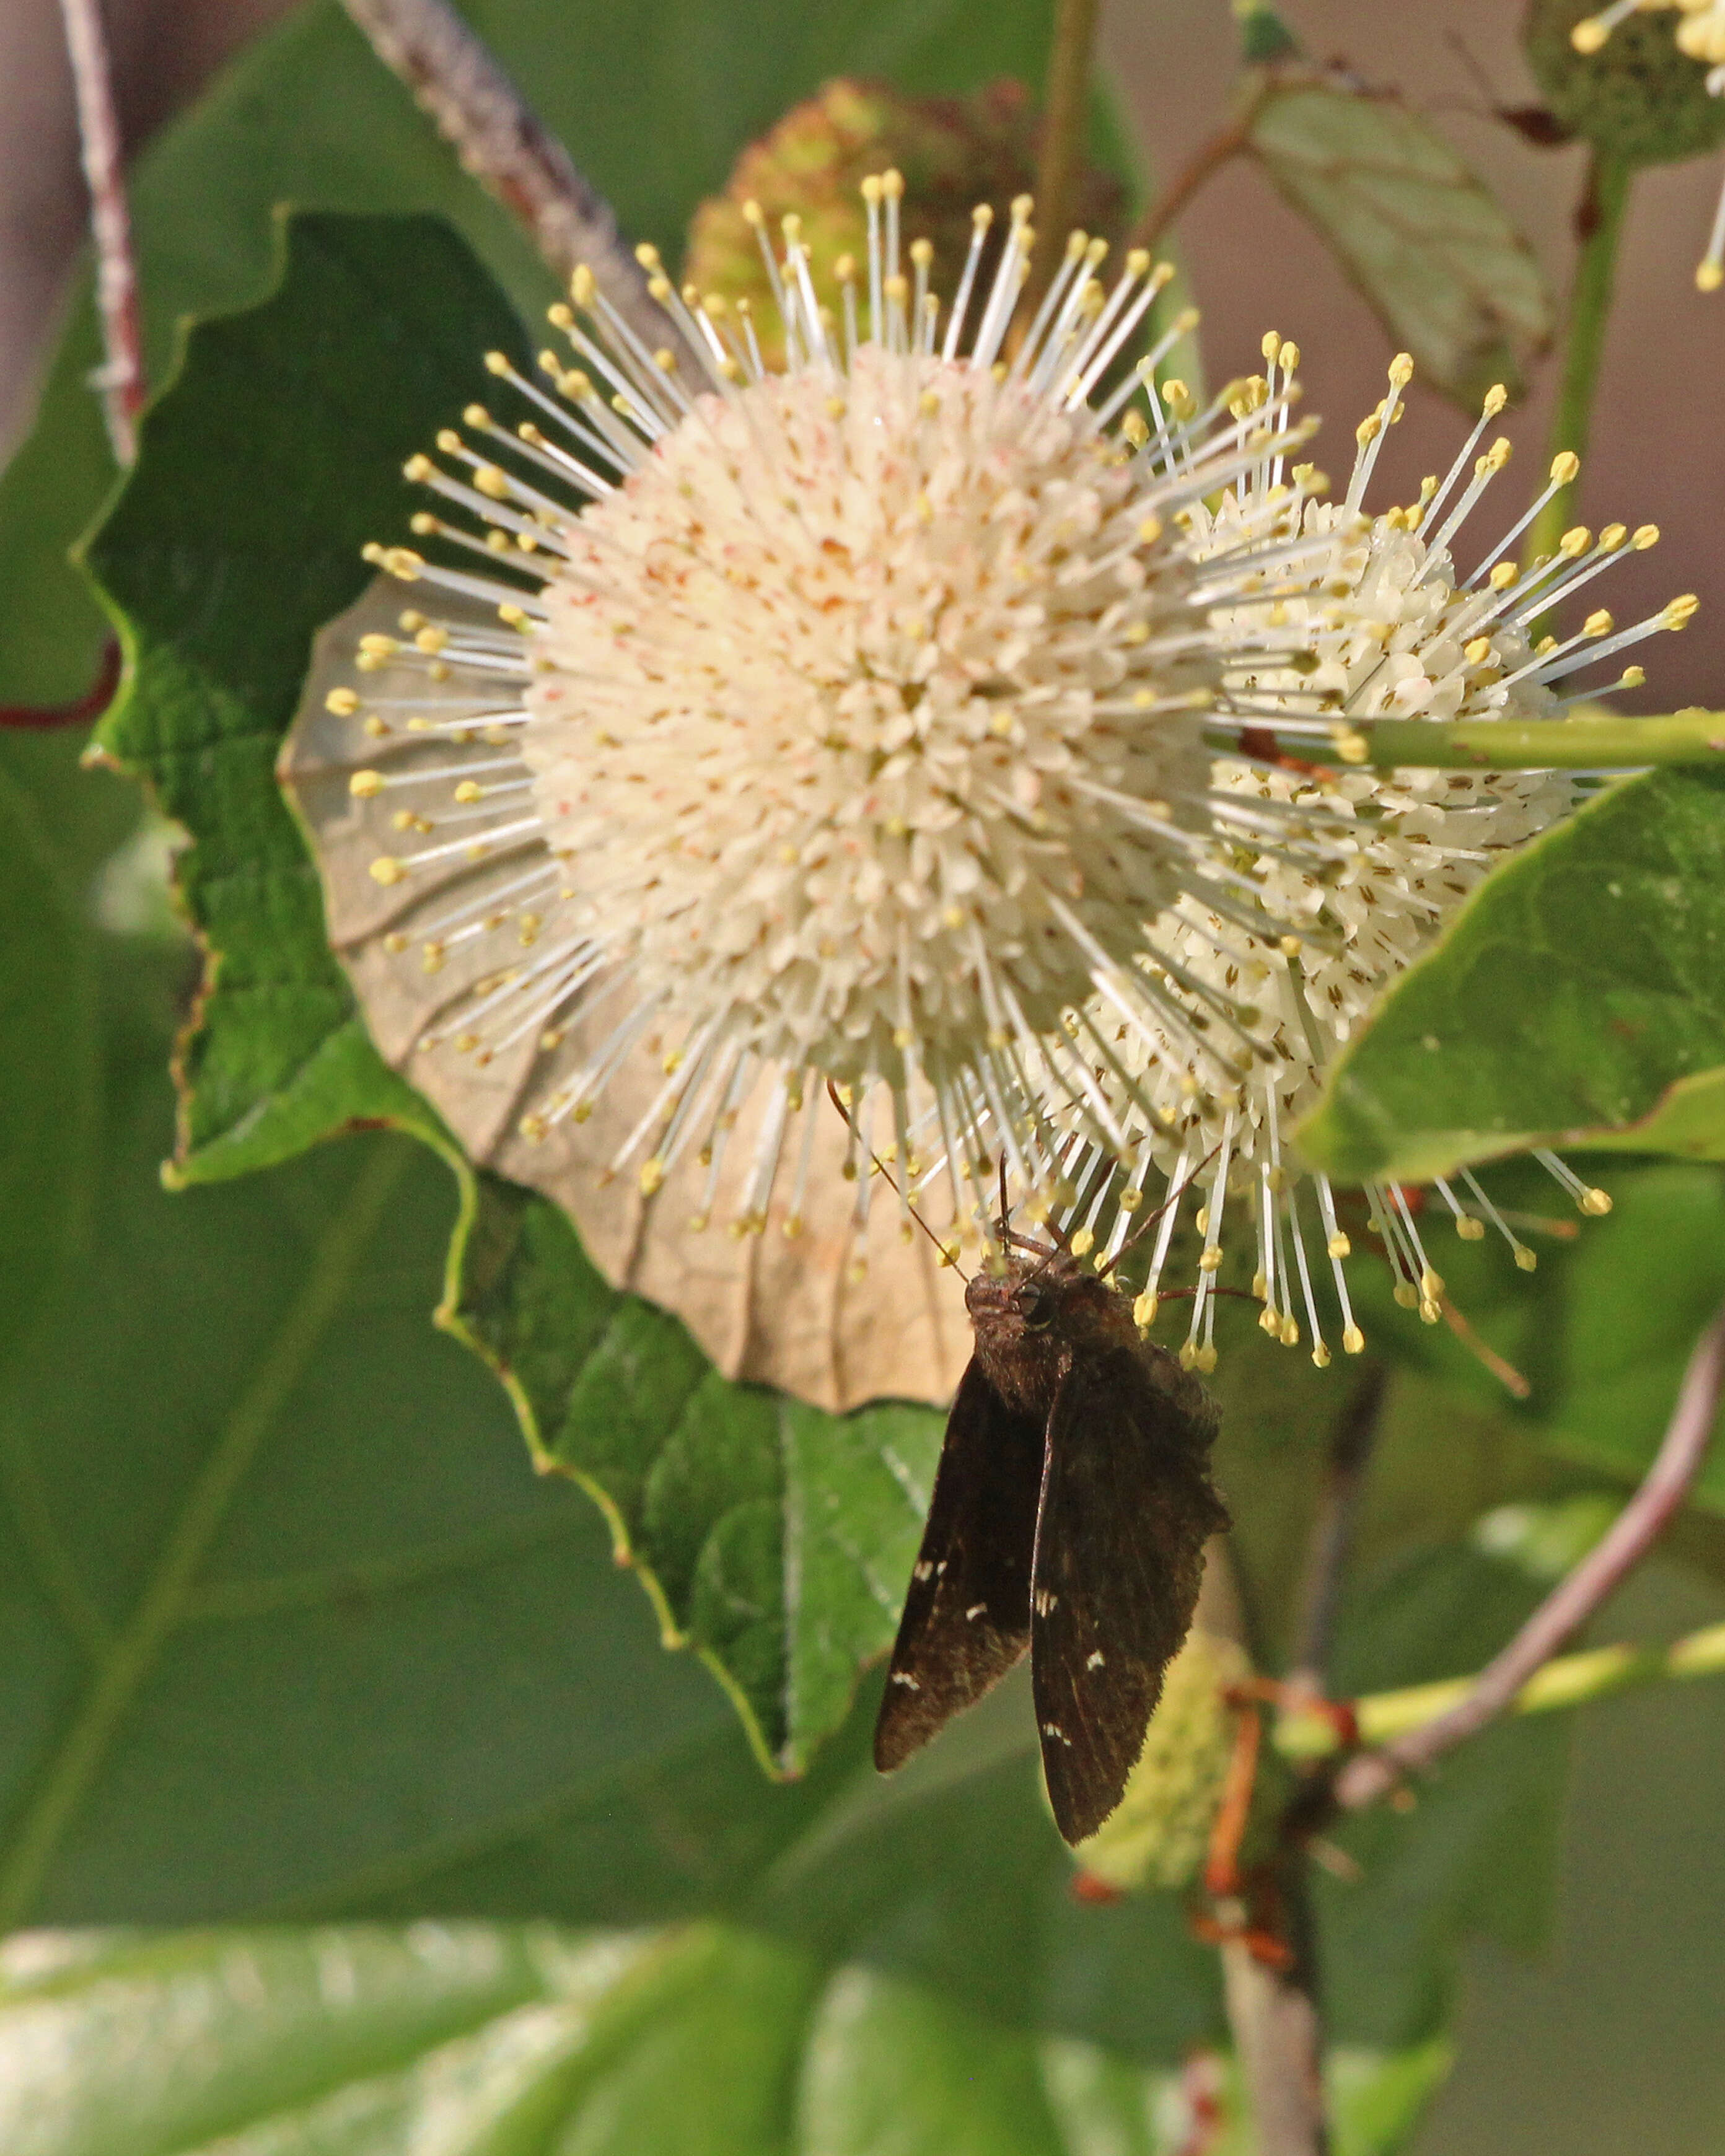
1612	2043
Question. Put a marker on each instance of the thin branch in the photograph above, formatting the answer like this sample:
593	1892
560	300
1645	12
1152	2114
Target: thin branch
1065	105
1224	145
120	378
1575	1599
1332	1542
45	718
504	144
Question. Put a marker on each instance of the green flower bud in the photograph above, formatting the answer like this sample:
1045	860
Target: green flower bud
953	152
1634	96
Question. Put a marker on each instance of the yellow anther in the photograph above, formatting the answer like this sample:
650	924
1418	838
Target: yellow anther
582	286
1589	34
1525	1257
652	1176
343	702
892	184
1643	536
1338	1246
870	195
1135	428
418	469
1503	576
1498	455
1564	468
475	415
448	441
1632	677
1209	1257
1150	531
1709	276
364	784
1612	537
1595	1203
1469	1229
469	791
982	216
1575	540
1270	345
387	869
1401	370
922	252
1369	429
1478	652
1598	623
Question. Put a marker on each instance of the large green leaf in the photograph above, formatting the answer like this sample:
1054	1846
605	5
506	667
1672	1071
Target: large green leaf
1419	233
1577	999
483	2042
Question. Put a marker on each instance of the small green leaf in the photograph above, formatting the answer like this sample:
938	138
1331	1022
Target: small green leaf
1580	984
1638	1287
1417	232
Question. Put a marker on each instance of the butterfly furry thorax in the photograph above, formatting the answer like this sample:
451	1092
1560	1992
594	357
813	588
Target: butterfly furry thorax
1034	1319
1069	1513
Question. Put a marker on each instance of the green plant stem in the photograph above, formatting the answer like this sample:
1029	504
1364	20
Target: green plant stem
1602	743
1570	1680
1065	104
1600	219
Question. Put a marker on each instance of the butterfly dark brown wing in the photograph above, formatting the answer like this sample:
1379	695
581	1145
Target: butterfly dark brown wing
967	1618
1127	1505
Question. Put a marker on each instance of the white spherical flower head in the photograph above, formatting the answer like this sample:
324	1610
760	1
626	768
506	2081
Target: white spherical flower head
837	727
1351	873
837	695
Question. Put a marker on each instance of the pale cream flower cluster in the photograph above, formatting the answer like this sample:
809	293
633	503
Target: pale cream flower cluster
956	727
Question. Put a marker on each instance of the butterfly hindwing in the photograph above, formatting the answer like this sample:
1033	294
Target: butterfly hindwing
1127	1507
967	1616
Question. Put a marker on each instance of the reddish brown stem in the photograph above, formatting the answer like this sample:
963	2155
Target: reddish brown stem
504	144
46	718
1576	1598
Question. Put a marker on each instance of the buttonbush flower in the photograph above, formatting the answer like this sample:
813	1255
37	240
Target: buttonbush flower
907	727
1362	867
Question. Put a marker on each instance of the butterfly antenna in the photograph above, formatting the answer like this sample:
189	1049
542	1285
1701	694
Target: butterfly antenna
1174	1197
881	1168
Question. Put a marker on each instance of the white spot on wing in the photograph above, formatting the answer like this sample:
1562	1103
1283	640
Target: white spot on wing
904	1678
